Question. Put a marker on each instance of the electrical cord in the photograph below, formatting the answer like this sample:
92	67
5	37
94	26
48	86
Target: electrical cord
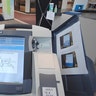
43	13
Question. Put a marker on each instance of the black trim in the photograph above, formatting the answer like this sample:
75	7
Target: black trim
87	11
77	85
25	26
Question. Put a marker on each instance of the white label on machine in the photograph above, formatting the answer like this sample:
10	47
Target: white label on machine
50	15
49	91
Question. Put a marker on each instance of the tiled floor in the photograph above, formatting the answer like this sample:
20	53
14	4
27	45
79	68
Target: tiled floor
20	17
27	18
10	22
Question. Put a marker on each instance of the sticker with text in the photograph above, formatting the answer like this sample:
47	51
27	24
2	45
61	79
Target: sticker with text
49	91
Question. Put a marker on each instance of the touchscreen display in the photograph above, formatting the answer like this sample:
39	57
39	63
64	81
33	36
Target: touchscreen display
11	59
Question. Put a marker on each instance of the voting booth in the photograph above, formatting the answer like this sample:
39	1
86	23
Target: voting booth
45	63
26	54
77	70
15	62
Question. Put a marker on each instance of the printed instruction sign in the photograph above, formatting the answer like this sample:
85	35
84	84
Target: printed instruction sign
49	91
50	15
8	62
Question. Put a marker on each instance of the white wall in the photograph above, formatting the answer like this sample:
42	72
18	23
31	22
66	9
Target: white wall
64	4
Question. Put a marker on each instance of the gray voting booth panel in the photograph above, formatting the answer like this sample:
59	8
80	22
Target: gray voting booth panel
14	37
82	84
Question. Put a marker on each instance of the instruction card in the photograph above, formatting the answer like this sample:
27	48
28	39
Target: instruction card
49	91
50	15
